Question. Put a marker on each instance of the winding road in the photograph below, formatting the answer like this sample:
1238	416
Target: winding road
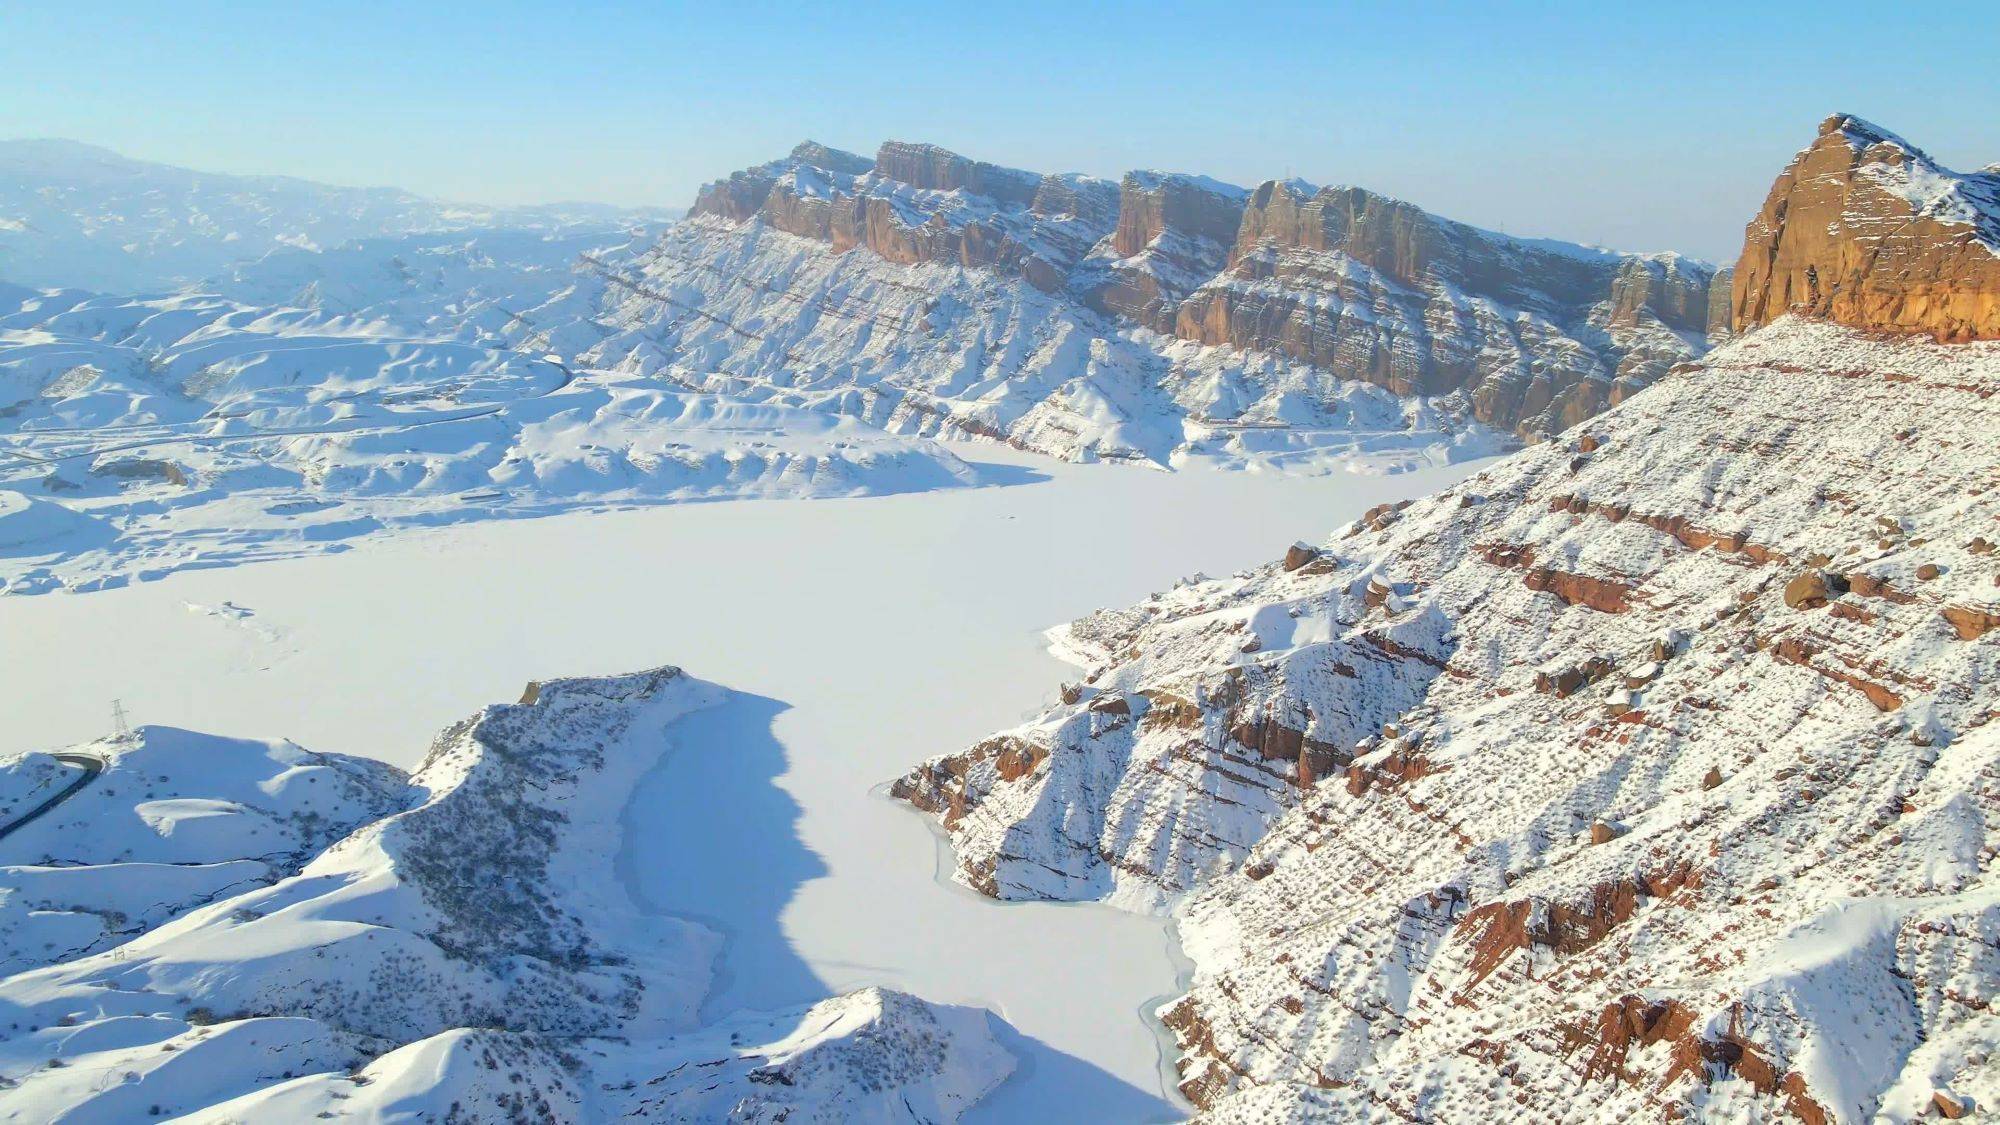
91	764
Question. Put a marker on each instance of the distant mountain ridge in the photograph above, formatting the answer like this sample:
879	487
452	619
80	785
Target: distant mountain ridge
75	215
1536	334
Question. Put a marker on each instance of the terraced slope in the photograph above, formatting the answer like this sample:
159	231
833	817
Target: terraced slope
1652	770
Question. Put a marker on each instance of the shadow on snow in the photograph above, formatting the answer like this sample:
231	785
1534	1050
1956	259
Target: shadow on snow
709	835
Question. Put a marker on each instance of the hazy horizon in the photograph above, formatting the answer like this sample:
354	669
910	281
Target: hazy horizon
1638	131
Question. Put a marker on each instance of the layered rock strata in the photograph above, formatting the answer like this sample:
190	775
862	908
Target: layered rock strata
1530	336
1866	230
1649	771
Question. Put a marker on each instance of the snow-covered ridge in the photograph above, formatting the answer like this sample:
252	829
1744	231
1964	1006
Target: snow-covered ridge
480	924
1969	199
159	823
1651	766
751	312
1535	334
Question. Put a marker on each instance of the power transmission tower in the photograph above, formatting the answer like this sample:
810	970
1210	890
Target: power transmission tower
120	728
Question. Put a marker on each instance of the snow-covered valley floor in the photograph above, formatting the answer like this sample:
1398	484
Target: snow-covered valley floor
858	636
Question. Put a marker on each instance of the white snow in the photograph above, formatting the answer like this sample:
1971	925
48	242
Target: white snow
858	636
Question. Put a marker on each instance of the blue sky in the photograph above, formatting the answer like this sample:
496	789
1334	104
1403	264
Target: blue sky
1643	130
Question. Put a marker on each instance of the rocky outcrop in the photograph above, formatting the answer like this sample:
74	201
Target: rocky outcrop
916	204
1174	232
1378	289
1866	230
742	196
1528	336
1719	293
1673	289
937	169
1637	819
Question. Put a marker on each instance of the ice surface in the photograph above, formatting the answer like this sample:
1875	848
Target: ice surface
857	636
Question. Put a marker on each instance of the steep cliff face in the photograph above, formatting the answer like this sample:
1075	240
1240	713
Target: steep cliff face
922	204
1531	336
742	196
1720	290
1866	230
1539	335
937	169
1173	233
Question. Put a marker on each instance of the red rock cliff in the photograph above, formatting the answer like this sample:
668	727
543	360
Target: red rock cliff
1865	229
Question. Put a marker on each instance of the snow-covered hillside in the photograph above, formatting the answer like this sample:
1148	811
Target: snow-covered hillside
936	349
76	215
159	823
1164	316
472	956
146	435
1653	768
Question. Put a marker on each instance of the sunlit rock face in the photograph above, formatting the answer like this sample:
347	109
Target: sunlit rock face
1537	335
918	203
1174	232
1866	230
1526	336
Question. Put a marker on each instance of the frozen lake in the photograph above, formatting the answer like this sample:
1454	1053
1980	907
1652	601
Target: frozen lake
858	637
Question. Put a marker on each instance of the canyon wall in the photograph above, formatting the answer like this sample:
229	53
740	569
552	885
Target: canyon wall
1528	336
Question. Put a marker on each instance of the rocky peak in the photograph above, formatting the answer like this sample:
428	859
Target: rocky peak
1151	203
744	194
938	169
1865	229
817	155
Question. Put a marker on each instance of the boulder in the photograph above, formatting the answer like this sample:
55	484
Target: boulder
1812	589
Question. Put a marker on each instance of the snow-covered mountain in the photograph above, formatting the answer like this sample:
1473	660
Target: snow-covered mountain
469	954
80	216
1652	770
1867	229
1163	316
403	361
